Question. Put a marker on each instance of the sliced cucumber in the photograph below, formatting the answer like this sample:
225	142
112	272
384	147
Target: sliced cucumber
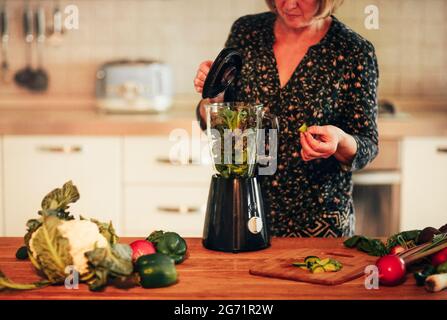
324	261
330	267
317	269
300	264
311	259
316	265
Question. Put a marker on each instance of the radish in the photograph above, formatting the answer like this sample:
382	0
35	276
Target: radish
391	270
141	248
439	257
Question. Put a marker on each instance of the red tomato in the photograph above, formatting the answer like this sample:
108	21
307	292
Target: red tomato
141	248
397	249
439	257
391	270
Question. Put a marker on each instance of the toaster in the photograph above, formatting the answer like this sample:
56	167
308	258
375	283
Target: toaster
134	86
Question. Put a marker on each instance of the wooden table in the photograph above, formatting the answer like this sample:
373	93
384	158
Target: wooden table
215	275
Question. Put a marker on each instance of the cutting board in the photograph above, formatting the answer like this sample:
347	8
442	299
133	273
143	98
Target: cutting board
354	263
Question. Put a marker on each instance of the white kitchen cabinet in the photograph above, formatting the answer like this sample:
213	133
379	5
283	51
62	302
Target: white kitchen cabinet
157	160
2	231
159	192
34	165
424	177
175	208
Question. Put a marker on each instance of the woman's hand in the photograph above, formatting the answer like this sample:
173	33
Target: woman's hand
199	80
325	141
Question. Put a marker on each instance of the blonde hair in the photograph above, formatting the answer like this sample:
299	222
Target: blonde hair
325	7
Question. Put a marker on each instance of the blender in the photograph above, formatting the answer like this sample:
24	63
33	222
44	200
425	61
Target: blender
235	219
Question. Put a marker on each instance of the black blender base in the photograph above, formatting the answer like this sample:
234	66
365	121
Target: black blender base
235	220
223	249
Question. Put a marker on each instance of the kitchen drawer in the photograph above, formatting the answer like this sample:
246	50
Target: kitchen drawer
148	160
388	157
35	165
172	208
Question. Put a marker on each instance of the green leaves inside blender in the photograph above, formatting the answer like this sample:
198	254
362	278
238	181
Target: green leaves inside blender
228	120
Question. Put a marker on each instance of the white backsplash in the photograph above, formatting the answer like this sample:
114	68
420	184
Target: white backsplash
411	43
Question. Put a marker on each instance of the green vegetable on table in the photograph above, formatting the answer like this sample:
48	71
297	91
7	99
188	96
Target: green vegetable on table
56	240
316	265
156	270
170	244
405	239
373	247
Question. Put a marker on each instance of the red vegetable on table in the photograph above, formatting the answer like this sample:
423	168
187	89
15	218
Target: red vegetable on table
439	257
391	270
141	248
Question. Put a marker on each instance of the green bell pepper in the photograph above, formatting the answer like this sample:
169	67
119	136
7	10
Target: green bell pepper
170	244
156	270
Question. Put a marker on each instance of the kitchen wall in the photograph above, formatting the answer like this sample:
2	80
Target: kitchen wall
411	43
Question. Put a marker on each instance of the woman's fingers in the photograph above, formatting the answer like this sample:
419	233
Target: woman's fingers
318	130
316	145
205	66
201	74
308	150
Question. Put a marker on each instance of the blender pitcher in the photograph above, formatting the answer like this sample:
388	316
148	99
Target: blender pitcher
235	219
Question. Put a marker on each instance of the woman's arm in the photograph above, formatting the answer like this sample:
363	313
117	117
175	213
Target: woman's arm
359	108
354	141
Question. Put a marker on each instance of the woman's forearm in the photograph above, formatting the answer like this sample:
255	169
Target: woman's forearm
346	149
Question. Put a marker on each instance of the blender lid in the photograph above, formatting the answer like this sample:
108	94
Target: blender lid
226	67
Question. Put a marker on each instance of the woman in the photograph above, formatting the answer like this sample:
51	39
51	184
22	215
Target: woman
306	66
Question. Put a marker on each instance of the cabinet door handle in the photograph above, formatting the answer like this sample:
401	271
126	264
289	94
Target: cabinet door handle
442	149
166	160
178	209
60	149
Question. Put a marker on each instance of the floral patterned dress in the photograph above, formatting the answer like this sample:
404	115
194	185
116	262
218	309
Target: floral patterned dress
334	84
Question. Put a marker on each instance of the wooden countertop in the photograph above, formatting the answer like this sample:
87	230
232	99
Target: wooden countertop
215	275
66	121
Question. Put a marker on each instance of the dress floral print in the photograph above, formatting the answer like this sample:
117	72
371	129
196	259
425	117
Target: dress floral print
334	84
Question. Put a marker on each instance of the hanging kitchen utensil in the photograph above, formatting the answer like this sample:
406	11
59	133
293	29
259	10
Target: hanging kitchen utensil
24	76
56	32
40	80
4	38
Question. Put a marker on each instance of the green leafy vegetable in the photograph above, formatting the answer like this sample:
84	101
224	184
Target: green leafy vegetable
56	202
406	239
51	250
114	261
226	122
373	247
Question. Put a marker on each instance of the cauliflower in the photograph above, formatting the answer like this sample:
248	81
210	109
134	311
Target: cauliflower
83	236
57	240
